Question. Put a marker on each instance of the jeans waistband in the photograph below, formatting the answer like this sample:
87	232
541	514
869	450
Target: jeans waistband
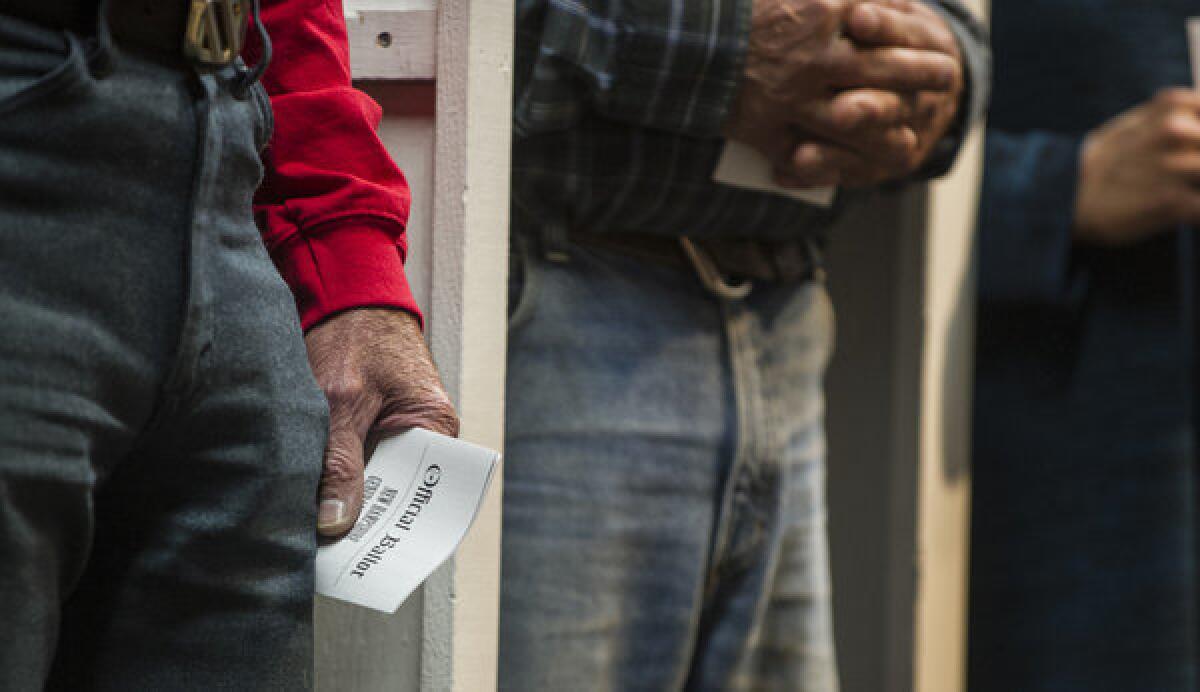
153	25
207	35
724	265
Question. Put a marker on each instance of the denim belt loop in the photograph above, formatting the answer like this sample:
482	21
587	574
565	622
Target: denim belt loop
710	275
103	59
816	259
556	246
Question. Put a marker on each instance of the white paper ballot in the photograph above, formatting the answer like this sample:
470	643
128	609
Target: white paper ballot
422	493
743	166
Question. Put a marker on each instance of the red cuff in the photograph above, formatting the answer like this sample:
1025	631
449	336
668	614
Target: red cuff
342	265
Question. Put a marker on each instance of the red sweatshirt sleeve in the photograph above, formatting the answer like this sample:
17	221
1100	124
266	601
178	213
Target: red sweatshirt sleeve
333	205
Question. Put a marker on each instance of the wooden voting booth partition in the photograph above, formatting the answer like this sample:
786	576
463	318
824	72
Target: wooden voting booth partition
899	390
451	137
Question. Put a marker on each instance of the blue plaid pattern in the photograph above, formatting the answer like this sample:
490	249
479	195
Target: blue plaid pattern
618	111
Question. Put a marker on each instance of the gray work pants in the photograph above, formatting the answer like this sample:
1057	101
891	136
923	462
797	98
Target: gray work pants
160	431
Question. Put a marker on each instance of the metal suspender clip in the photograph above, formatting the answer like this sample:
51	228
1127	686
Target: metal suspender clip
216	31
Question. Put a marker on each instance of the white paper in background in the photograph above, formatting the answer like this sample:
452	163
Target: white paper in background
423	491
743	166
1193	32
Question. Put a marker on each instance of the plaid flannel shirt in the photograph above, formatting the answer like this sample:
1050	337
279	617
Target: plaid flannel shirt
618	112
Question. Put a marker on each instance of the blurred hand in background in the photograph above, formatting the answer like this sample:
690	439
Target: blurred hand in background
1139	173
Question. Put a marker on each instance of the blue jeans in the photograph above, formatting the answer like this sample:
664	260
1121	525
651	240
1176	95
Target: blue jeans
160	431
664	509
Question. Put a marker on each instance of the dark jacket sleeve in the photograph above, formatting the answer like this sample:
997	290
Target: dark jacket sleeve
974	44
1025	220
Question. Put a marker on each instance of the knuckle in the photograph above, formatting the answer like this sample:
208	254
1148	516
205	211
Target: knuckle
344	389
881	109
429	408
450	424
341	468
797	169
807	159
903	148
1176	127
849	116
443	417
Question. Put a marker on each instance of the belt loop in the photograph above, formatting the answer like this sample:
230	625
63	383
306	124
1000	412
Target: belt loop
248	77
103	59
556	246
710	275
816	259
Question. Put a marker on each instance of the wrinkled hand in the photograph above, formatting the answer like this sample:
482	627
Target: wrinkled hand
379	378
1139	172
914	25
923	116
836	92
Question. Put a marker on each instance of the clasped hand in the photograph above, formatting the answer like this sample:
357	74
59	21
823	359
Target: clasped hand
846	92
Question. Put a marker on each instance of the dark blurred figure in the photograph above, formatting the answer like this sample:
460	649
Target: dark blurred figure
1083	574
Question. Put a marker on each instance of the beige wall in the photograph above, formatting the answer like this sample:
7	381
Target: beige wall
455	152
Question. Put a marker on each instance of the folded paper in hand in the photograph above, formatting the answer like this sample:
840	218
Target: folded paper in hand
743	166
423	491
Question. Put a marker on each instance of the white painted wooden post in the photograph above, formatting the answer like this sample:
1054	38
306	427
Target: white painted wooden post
451	136
469	325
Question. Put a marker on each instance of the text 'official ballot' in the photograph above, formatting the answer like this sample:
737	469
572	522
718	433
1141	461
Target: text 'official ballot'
422	493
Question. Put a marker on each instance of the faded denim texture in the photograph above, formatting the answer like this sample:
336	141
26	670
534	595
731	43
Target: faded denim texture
664	512
160	431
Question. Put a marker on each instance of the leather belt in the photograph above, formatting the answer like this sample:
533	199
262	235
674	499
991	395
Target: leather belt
738	259
204	32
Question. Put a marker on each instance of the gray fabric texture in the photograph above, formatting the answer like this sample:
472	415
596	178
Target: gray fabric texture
160	431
